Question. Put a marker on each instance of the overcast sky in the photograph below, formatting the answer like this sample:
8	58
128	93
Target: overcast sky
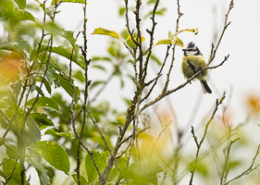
242	70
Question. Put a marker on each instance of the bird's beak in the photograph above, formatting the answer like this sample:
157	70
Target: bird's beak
189	50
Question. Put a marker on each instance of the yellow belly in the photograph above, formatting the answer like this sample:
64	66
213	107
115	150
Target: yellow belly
192	64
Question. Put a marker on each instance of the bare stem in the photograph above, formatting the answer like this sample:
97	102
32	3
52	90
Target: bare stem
199	144
248	170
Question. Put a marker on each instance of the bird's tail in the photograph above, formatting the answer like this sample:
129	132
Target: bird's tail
205	87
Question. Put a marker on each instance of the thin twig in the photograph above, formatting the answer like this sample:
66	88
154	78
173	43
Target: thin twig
127	23
99	131
199	144
132	135
158	139
158	74
163	94
249	169
84	106
109	78
151	81
173	49
151	32
91	155
225	169
10	175
226	24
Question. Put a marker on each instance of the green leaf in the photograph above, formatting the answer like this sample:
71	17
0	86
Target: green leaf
175	40
39	91
202	168
122	83
16	88
42	172
151	1
143	173
163	41
34	131
158	12
100	160
12	151
68	1
153	57
193	30
82	179
68	35
8	168
171	40
79	75
21	3
104	31
53	154
233	164
96	83
122	162
99	67
66	52
44	102
120	119
11	103
68	88
96	58
45	82
122	11
2	174
130	42
62	134
24	15
42	120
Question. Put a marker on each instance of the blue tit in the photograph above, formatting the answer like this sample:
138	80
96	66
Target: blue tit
192	62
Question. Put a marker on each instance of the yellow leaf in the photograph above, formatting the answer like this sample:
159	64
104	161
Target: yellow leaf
120	119
175	40
163	41
194	30
104	31
170	41
146	137
130	42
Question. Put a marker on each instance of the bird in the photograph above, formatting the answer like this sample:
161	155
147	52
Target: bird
192	62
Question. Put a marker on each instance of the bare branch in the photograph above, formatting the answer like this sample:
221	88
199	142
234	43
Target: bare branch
151	32
158	139
194	137
163	94
225	169
199	144
226	24
158	75
173	49
248	170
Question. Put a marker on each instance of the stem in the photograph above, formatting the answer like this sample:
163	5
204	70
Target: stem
199	144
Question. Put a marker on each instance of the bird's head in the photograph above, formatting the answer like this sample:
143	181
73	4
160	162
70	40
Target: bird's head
191	50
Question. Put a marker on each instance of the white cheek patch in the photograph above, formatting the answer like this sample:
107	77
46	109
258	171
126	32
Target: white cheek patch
191	53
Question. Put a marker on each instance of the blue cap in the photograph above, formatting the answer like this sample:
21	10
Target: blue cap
191	45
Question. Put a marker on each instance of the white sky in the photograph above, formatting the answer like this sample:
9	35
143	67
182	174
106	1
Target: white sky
241	41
